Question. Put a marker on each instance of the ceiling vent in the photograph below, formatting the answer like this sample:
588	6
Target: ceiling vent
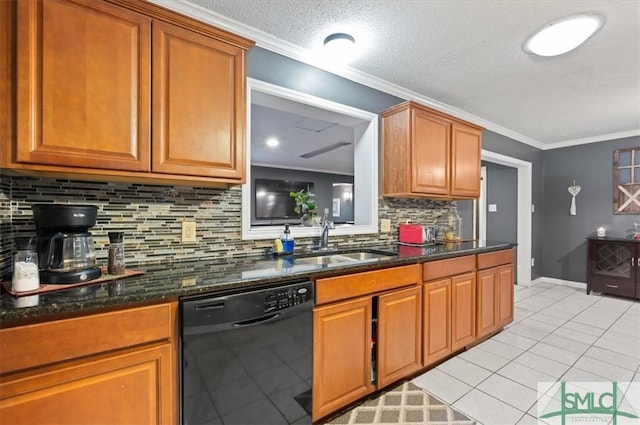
317	126
324	150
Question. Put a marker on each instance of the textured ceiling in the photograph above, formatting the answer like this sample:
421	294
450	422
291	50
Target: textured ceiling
466	57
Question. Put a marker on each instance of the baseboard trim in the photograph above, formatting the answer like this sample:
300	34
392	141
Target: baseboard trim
561	282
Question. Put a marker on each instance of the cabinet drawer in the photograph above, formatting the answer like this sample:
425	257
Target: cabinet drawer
614	287
357	284
446	268
492	259
59	340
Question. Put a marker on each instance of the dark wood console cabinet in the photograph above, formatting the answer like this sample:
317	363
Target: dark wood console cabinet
613	266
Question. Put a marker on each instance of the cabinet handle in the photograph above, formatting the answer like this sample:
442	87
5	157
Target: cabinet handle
611	286
632	262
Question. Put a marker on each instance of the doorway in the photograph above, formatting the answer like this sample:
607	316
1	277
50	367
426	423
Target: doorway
524	190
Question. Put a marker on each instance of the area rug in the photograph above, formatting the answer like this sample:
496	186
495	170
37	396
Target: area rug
403	405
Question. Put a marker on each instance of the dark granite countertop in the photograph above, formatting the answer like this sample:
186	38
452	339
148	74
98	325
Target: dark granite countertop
171	280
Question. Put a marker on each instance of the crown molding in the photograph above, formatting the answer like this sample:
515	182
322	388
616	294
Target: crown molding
594	139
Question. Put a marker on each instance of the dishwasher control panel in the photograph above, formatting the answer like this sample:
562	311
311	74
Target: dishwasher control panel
286	297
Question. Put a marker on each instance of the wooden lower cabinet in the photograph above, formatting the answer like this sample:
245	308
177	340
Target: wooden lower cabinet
449	306
128	388
367	334
399	335
436	341
463	312
495	291
487	298
118	367
341	354
505	275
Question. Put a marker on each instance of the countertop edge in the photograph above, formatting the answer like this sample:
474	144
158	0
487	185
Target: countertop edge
31	315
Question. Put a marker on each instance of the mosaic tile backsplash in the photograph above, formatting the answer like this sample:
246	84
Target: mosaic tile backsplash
151	217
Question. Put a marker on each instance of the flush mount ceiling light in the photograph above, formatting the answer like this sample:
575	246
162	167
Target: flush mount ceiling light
340	46
563	35
272	142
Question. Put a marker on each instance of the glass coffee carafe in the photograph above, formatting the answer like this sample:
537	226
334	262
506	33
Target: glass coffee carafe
70	251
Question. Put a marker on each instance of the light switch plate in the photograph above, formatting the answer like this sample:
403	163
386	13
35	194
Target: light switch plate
385	225
493	207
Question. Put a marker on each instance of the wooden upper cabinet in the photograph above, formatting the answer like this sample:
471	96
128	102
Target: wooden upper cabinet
123	90
465	160
198	104
429	154
83	85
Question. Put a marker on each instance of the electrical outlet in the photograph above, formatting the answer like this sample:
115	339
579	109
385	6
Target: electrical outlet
533	262
188	231
385	225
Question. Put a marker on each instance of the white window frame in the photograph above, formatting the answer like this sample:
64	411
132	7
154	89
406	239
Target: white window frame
365	169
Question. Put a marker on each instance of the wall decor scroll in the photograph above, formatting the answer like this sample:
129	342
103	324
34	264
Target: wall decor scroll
573	190
626	181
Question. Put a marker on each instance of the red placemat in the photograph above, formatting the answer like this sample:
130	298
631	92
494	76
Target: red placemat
44	288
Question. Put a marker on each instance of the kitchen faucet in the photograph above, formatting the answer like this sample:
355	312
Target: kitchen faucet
326	224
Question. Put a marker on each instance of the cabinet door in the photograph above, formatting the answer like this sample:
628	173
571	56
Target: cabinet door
83	85
135	387
198	104
487	297
437	318
465	160
399	334
430	153
463	310
504	275
341	355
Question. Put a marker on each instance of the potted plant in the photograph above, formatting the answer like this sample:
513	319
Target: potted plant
305	206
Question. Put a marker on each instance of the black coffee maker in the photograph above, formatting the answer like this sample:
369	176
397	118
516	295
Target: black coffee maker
65	246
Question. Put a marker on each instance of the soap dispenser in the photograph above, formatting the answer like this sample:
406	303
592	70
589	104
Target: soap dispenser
287	240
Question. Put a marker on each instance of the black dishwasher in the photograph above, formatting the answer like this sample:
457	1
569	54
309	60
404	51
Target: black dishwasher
247	356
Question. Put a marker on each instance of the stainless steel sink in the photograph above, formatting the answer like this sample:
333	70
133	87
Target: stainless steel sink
324	259
344	257
366	255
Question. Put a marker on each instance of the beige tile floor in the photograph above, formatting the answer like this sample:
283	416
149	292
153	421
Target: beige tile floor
559	333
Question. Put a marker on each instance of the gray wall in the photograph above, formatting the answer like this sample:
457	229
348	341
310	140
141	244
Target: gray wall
276	69
591	166
502	190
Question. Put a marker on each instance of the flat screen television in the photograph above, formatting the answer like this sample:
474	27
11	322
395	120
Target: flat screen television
272	200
